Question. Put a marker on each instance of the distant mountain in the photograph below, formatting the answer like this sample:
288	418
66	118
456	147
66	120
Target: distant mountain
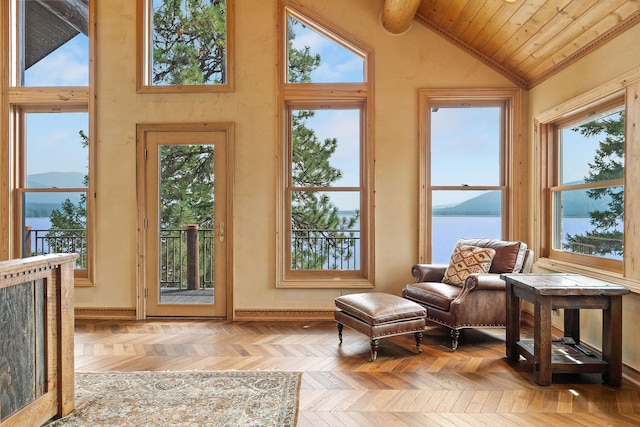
56	179
42	204
576	204
487	204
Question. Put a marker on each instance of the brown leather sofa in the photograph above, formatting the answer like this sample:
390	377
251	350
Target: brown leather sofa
480	301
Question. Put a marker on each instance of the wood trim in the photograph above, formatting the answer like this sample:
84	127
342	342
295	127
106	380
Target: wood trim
284	314
628	23
113	313
69	96
5	156
632	176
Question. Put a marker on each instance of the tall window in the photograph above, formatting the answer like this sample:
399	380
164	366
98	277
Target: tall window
51	128
187	45
465	153
325	232
54	187
587	188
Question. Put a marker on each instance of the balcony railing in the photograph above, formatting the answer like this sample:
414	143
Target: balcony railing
315	249
187	258
187	255
43	242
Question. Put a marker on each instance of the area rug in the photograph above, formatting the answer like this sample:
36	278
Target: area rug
210	398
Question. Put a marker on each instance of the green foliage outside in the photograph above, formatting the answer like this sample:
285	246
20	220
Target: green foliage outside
186	186
608	164
189	42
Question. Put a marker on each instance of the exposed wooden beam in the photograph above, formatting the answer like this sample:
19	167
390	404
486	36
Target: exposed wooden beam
397	15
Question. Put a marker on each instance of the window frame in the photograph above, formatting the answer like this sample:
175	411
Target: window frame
509	100
294	96
629	85
552	130
21	99
21	185
143	49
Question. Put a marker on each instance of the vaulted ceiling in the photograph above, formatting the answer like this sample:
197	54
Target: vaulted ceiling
525	40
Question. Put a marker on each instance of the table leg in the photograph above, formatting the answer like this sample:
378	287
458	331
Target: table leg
513	323
612	341
572	324
542	340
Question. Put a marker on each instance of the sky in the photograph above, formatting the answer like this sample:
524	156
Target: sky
52	138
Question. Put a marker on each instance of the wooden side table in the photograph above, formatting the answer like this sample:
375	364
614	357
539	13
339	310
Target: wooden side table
570	292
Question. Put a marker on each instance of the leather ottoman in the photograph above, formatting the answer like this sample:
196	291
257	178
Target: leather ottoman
379	315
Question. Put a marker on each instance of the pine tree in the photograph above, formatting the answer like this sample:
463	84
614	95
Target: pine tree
186	189
189	42
608	164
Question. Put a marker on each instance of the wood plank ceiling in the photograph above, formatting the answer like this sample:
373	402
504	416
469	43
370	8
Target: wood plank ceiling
525	40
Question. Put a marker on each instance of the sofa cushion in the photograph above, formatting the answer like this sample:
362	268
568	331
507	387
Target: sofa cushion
432	294
466	260
509	257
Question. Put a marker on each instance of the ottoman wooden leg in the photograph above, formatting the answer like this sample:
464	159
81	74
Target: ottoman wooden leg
340	326
374	349
418	341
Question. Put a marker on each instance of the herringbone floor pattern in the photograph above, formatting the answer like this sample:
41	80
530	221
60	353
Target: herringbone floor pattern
474	386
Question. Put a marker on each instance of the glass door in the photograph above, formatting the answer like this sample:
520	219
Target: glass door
184	225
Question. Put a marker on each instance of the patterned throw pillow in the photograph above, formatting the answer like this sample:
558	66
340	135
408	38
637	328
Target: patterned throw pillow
466	260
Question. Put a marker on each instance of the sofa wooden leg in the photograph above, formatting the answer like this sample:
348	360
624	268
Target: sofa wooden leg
374	349
418	341
455	335
340	326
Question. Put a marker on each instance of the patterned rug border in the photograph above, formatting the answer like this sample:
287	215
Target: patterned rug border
257	398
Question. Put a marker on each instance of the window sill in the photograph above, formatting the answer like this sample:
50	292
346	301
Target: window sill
557	266
82	282
325	284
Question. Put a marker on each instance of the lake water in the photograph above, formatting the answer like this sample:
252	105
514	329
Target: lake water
446	230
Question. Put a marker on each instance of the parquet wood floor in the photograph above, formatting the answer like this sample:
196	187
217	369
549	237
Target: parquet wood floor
474	386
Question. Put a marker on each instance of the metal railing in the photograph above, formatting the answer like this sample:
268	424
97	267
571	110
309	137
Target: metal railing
187	258
315	249
43	242
187	254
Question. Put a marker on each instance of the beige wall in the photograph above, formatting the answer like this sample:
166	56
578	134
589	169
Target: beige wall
417	59
618	57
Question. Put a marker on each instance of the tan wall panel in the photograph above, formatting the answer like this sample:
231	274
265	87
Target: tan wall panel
417	59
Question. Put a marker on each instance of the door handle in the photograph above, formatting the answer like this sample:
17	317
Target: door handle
221	234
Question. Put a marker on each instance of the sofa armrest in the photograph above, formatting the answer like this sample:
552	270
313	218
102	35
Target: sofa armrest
428	272
489	281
